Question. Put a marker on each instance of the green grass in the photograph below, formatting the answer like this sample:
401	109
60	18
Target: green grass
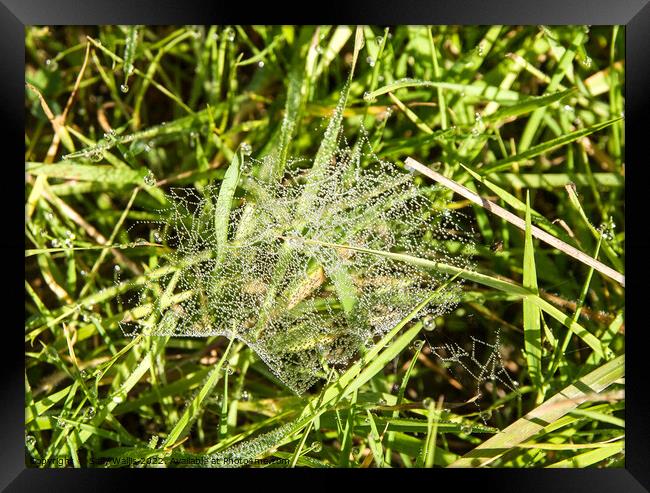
529	117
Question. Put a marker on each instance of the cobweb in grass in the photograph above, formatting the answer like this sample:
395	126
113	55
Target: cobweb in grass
285	283
482	362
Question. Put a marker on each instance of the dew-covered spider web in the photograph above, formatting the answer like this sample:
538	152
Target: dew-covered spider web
292	280
481	362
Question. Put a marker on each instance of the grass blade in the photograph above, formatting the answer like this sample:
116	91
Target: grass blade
532	326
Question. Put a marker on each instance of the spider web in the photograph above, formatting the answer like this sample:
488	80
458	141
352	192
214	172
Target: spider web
285	283
481	369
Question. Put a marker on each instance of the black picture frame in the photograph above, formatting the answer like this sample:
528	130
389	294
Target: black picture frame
634	14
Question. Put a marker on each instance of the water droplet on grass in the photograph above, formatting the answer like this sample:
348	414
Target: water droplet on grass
110	136
229	34
417	344
150	179
96	155
124	88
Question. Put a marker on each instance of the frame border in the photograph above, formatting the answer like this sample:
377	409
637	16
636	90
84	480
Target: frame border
634	14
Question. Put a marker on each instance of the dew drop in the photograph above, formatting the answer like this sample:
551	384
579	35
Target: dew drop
110	135
417	344
245	396
260	64
229	34
370	61
124	88
117	268
96	155
467	429
246	148
30	440
316	447
51	64
428	403
150	179
429	323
